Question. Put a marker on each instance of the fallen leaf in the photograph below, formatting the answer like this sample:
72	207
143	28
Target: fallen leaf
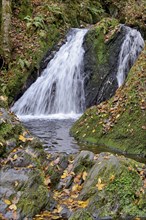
16	183
84	176
47	181
8	202
83	204
13	207
22	138
112	178
65	174
100	185
56	161
75	188
15	157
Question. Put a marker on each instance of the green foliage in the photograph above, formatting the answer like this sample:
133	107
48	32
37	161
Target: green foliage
37	22
23	63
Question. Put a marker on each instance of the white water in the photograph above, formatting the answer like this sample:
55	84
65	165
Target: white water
130	49
59	91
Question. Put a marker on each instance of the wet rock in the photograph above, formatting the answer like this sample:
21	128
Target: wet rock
84	159
100	65
22	185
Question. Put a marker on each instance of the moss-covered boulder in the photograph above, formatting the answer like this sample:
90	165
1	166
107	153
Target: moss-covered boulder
119	123
114	188
23	191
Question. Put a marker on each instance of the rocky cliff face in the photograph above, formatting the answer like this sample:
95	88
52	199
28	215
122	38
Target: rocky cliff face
101	61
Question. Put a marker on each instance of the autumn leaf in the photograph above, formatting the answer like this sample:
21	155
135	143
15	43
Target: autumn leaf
76	187
47	181
8	202
57	161
112	178
22	138
15	157
16	183
13	207
84	176
83	204
29	166
100	185
65	174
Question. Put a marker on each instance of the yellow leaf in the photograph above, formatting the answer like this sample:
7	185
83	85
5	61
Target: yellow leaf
65	174
112	177
100	185
16	183
47	181
75	187
13	207
29	166
93	131
30	139
83	204
15	157
52	164
48	156
22	138
59	209
55	217
84	176
8	202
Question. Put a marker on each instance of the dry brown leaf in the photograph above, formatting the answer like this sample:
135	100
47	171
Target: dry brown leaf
56	161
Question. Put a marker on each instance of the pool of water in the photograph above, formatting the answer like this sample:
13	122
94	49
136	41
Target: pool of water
55	136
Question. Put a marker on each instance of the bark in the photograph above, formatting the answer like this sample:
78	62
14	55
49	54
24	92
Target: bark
5	29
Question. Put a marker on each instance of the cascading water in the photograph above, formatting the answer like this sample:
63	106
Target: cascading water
130	49
60	88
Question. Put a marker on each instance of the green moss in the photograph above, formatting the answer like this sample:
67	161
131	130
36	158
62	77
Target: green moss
34	196
119	197
81	214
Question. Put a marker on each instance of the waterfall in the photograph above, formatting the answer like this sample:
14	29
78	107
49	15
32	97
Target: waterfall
60	88
130	49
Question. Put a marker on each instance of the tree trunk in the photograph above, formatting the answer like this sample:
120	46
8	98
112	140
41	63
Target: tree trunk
5	29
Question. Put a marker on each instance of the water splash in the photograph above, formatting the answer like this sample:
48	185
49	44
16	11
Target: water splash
60	88
130	49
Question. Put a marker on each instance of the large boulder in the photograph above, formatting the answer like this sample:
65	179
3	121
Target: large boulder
114	189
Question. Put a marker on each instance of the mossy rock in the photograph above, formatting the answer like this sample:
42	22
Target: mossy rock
35	196
113	188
